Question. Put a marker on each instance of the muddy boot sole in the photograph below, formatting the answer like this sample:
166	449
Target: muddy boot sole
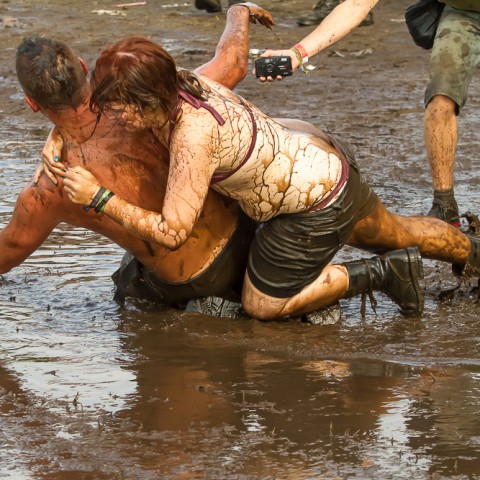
329	315
215	307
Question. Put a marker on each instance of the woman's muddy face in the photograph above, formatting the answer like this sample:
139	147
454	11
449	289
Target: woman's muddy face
129	115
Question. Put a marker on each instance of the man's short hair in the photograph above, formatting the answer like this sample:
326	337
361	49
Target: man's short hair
50	73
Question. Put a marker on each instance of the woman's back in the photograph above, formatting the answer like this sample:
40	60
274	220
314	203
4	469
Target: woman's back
268	168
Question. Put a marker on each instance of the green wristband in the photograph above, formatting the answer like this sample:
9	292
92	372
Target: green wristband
102	203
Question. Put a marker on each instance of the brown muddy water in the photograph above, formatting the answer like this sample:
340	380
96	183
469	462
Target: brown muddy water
90	391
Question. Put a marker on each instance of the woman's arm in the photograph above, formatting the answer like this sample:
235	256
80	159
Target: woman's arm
341	21
51	156
191	168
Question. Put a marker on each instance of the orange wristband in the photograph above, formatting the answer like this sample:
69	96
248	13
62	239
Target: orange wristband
302	51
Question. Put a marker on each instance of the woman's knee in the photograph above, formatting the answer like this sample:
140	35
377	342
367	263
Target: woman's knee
259	305
261	308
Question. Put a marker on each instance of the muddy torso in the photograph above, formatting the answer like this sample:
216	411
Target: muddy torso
134	166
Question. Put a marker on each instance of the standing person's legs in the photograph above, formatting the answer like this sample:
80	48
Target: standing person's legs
455	55
440	132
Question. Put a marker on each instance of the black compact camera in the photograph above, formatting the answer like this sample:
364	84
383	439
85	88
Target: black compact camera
273	66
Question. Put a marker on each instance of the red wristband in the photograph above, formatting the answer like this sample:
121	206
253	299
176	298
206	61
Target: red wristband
302	51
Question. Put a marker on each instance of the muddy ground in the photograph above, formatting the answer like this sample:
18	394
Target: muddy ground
90	391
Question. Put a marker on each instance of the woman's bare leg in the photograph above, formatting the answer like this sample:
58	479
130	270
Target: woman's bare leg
330	286
380	231
383	230
395	273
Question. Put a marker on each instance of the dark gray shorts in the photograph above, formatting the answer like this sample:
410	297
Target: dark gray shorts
290	251
223	278
455	55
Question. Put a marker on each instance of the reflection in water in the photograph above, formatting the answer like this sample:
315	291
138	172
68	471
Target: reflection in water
232	408
150	393
58	322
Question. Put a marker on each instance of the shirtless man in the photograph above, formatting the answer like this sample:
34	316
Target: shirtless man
213	261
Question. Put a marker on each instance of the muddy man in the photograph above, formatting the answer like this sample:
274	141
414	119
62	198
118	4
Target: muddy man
212	262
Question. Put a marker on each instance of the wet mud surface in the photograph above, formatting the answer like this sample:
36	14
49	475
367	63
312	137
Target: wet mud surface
90	391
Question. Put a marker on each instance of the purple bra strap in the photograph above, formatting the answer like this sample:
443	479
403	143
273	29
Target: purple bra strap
196	103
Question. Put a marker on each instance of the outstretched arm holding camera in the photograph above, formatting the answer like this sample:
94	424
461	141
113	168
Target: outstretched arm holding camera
343	19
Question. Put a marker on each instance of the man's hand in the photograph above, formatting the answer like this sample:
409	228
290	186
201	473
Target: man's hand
258	14
51	155
80	185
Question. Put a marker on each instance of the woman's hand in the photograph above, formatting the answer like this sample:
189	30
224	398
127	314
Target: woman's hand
279	53
80	185
51	156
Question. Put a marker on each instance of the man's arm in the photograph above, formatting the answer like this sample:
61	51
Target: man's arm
230	64
35	215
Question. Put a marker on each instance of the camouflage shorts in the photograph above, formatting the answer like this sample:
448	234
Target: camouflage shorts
455	55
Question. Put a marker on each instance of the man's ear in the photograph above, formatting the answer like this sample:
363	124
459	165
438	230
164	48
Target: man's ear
84	65
31	103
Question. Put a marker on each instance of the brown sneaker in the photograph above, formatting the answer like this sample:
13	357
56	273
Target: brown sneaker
448	212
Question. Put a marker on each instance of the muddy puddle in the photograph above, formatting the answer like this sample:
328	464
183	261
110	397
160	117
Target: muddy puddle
92	391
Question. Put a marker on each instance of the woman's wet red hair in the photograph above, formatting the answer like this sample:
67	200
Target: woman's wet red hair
139	72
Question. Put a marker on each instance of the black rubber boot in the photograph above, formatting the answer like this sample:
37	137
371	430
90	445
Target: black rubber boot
472	267
210	6
395	273
321	10
444	207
